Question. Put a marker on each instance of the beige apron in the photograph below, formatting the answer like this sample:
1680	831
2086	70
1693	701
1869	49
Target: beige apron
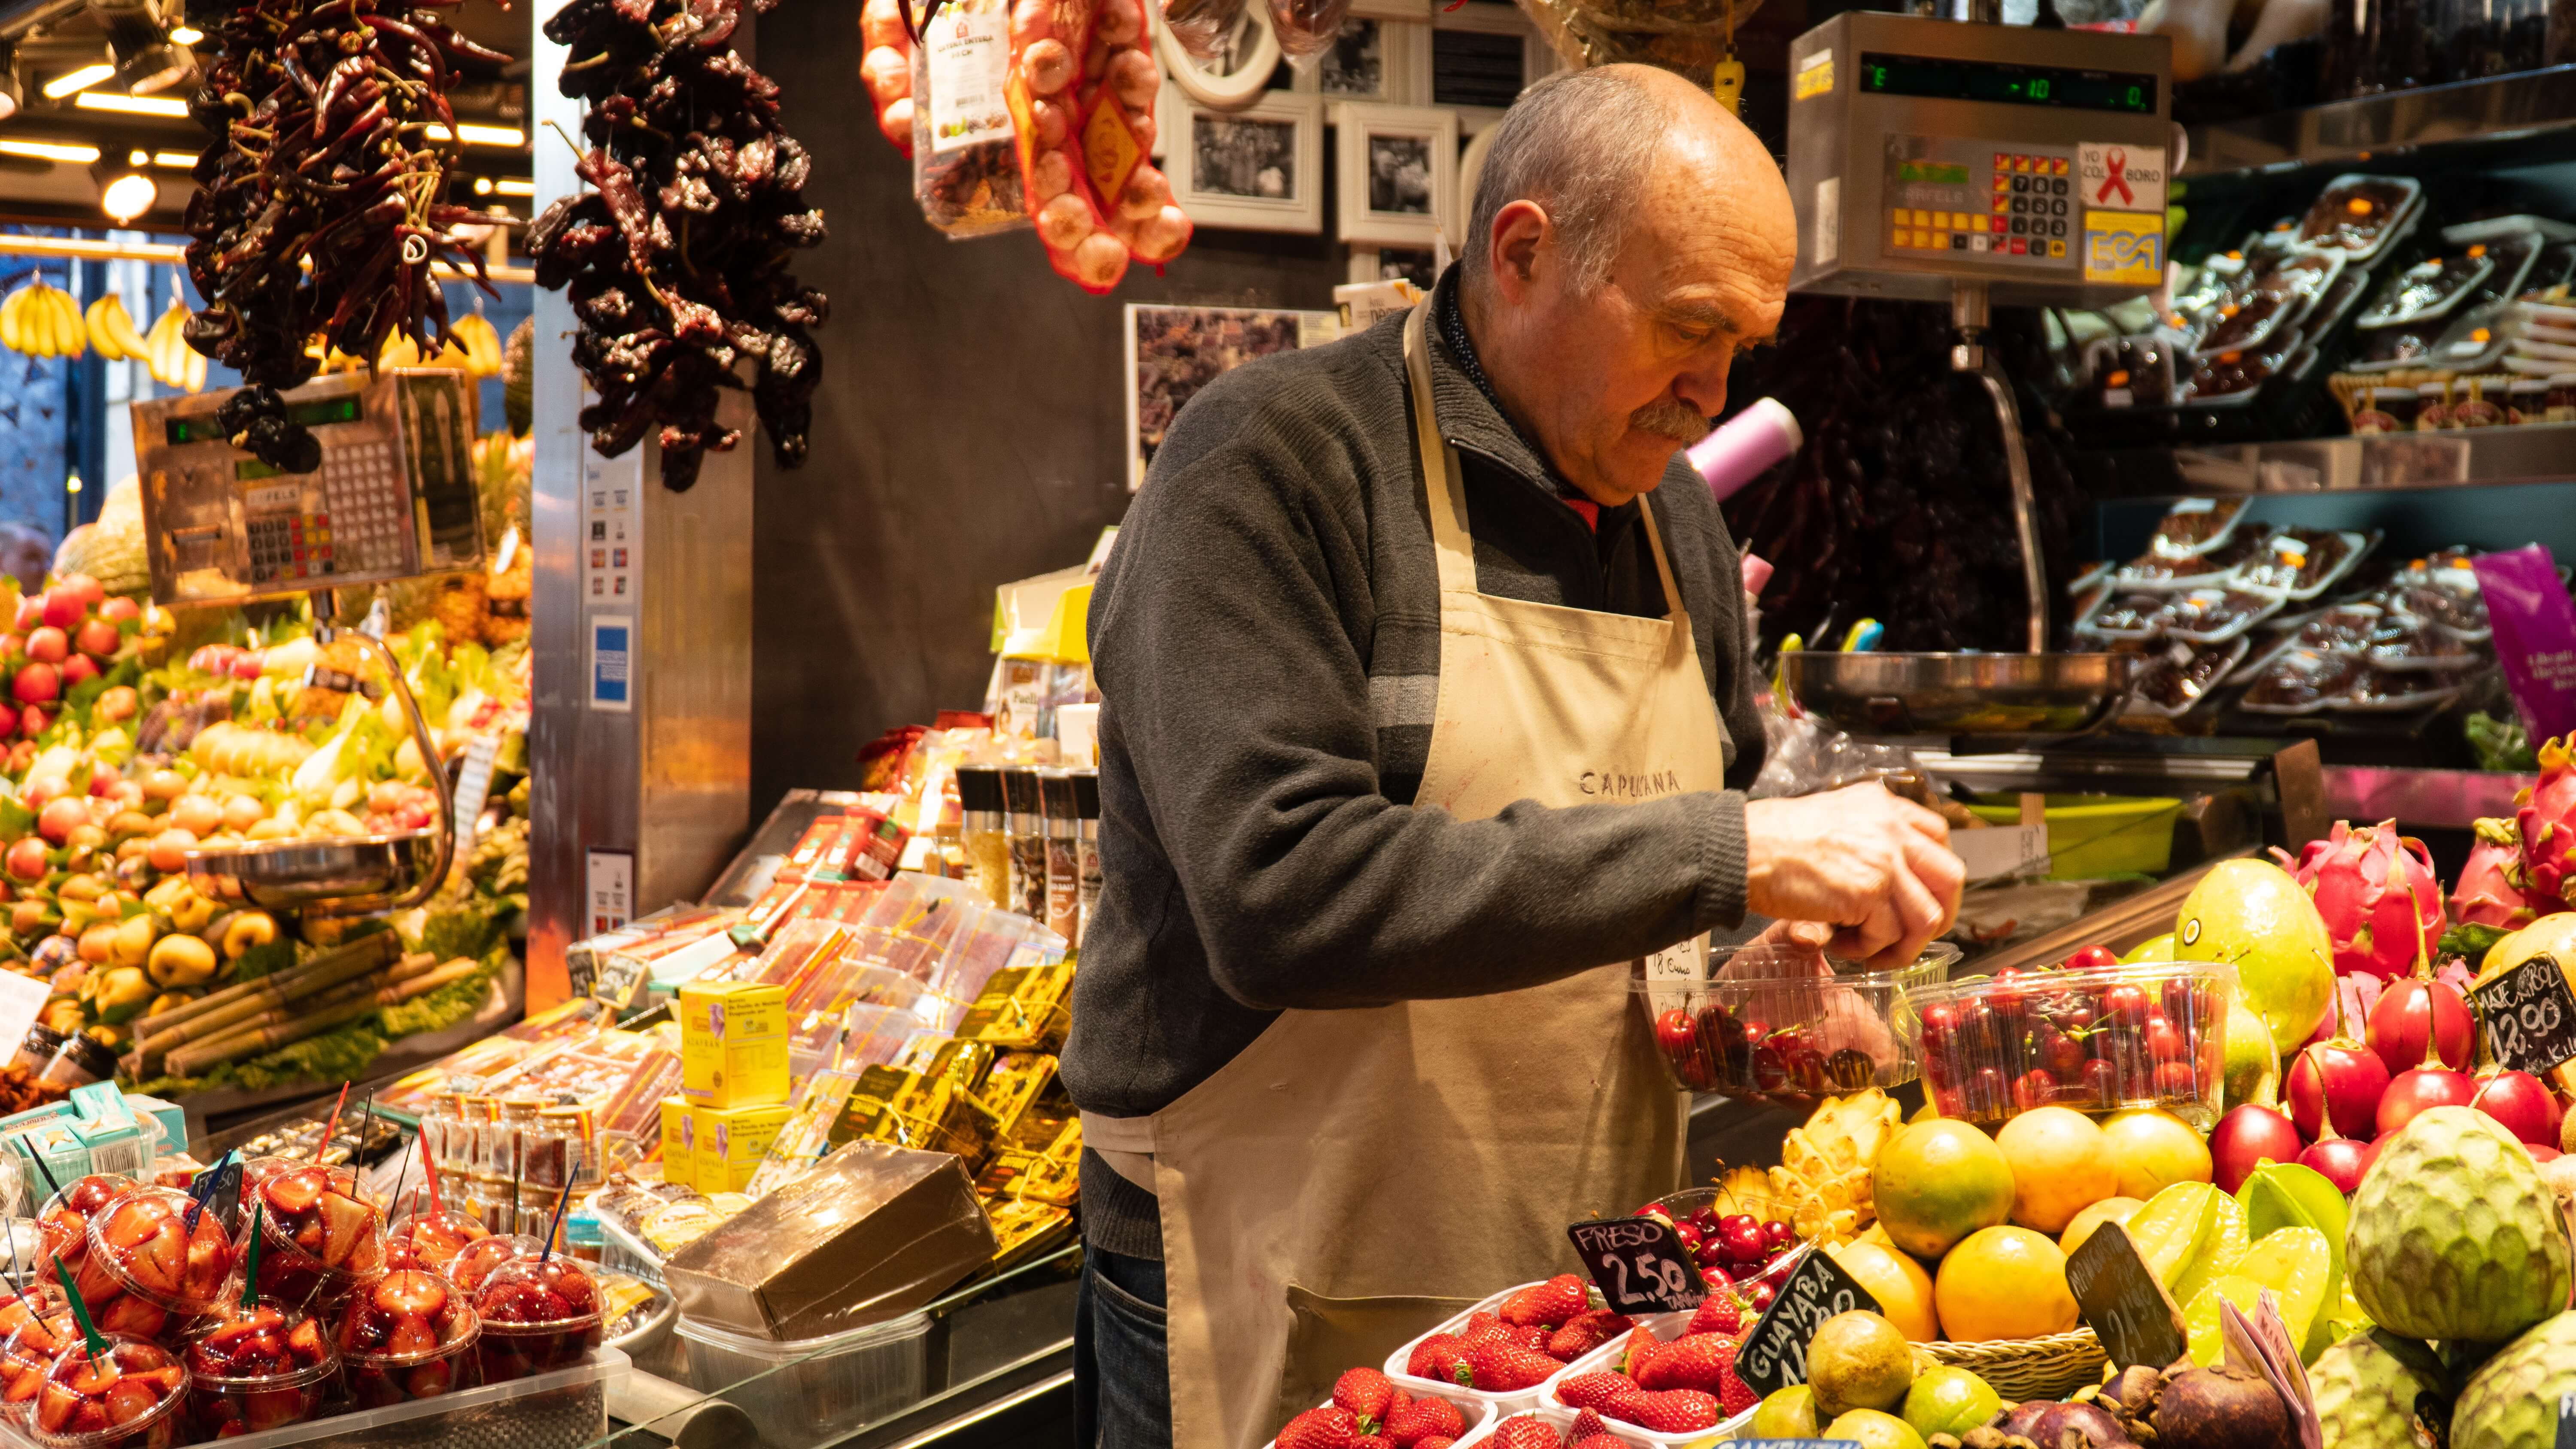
1353	1176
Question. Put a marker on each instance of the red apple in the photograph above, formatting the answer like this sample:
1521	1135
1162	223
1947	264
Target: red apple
2245	1138
2413	1010
2423	1088
64	607
87	590
119	609
98	637
2340	1159
49	645
2342	1077
31	612
33	722
2520	1103
38	683
61	816
79	669
26	859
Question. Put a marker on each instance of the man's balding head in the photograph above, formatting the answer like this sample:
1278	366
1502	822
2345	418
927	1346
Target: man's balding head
1629	237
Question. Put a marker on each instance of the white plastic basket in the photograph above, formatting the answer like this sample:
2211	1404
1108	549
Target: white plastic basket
1480	1417
1665	1326
1504	1403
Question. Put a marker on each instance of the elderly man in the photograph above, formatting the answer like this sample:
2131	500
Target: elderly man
1426	678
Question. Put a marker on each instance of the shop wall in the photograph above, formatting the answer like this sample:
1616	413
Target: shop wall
970	429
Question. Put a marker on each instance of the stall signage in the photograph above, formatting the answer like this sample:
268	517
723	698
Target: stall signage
2122	1302
1639	1264
2530	1015
1774	1355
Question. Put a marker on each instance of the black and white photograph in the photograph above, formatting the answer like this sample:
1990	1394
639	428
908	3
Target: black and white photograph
1233	156
1175	351
1260	168
1398	173
1418	265
1355	66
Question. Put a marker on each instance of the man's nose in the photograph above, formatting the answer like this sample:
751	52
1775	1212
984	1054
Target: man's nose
1704	388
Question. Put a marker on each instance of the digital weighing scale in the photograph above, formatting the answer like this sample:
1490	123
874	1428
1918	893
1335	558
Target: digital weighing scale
394	498
1977	162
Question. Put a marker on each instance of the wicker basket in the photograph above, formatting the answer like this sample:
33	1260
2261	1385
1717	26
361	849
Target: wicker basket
2022	1369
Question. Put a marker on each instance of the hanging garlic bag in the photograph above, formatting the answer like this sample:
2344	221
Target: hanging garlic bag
965	165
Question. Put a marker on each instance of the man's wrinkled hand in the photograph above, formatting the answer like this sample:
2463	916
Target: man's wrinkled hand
1876	868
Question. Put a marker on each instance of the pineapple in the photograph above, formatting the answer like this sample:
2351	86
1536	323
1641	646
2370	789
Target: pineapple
459	607
1824	1171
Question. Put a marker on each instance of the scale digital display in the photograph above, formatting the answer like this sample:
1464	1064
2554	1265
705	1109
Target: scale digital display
313	414
2011	85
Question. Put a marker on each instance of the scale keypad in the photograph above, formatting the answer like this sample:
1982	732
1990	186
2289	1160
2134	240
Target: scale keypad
289	545
1961	196
370	505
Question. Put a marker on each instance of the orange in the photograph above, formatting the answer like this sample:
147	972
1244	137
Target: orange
1936	1182
2155	1149
2061	1165
2003	1283
2108	1210
1902	1288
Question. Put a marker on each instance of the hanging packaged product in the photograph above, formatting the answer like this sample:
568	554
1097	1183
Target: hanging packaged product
1086	809
1081	91
965	170
885	67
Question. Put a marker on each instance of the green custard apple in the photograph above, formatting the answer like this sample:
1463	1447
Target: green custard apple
2454	1236
2512	1402
2367	1387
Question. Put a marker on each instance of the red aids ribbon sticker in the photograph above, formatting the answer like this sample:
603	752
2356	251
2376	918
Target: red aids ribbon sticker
2115	166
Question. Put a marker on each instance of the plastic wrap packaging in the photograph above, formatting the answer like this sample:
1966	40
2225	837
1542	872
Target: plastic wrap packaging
1081	92
1307	28
965	170
1685	35
871	1233
1804	757
1201	26
885	67
2535	635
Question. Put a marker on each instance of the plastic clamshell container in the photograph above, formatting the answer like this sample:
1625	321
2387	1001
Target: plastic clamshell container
1503	1403
1769	1027
1665	1326
1480	1417
2105	1038
816	1389
2092	836
1561	1419
566	1409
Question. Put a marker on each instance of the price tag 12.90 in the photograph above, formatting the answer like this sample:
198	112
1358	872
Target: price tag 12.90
1639	1264
2530	1015
1774	1354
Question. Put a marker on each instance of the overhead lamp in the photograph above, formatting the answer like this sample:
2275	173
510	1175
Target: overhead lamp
186	35
130	105
176	160
515	188
125	193
77	80
140	42
473	135
50	151
13	86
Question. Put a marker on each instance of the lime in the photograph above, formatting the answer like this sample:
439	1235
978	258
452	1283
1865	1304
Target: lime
1949	1400
1788	1413
1873	1430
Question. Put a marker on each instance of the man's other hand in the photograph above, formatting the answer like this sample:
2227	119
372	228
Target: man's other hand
1876	867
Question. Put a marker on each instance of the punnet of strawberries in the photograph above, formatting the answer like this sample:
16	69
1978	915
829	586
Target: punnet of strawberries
1672	1387
1529	1431
1522	1343
1370	1411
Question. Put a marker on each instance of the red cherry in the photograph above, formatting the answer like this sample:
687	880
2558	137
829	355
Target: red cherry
1778	1234
2101	1082
2033	1088
2091	956
1761	1296
2126	1003
2164	1041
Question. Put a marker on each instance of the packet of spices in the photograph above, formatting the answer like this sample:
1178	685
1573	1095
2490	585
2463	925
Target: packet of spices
962	1064
1001	1178
1013	1084
867	1100
1022	1229
1022	1006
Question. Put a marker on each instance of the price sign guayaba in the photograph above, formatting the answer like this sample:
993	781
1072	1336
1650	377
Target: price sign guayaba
1774	1355
2530	1015
1639	1264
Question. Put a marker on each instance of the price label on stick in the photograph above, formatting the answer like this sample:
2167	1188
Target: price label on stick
1639	1264
2530	1016
2123	1302
1774	1354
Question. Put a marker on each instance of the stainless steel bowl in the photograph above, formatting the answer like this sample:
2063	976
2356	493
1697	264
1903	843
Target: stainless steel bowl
1869	693
347	875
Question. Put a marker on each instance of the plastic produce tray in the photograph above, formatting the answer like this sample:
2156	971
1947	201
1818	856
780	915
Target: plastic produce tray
565	1409
1480	1419
813	1390
1508	1403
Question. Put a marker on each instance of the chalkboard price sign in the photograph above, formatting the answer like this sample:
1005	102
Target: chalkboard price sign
1774	1354
1639	1264
2530	1016
2123	1302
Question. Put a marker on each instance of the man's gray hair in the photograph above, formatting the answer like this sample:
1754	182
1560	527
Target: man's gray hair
1578	143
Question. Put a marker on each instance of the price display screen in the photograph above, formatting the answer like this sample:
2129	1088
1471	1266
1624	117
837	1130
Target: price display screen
2010	85
345	408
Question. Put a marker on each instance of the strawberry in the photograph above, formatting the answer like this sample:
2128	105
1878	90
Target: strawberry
1525	1431
1598	1441
1672	1411
1501	1368
1734	1395
1480	1326
1718	1313
1550	1303
1586	1424
1436	1441
1585	1332
1372	1441
1592	1391
1367	1394
1641	1350
1330	1427
1438	1357
1532	1336
1692	1361
1424	1419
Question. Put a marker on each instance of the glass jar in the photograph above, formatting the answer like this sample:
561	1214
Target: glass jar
35	1050
79	1061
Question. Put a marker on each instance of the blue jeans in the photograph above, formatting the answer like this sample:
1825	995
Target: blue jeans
1122	1392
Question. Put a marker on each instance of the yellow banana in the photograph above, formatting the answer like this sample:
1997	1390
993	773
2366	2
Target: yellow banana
482	345
9	311
94	321
109	313
166	349
65	336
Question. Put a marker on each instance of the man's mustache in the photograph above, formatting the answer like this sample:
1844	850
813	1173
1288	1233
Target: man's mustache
1671	418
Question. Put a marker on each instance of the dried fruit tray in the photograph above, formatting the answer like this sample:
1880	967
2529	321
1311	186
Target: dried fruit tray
565	1409
1504	1403
1480	1418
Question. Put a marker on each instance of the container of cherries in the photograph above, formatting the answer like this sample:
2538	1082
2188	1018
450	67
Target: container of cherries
1736	1249
408	1335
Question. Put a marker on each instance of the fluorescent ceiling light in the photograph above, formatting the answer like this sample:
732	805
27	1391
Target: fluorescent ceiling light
132	105
48	151
81	79
473	135
183	160
515	188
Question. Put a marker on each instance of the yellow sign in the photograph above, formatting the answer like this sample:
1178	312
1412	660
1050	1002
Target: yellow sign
2124	248
1815	76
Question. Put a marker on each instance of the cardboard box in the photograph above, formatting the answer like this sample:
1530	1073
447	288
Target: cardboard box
871	1233
733	1044
679	1143
731	1142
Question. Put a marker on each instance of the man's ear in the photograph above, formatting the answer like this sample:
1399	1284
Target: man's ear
1520	247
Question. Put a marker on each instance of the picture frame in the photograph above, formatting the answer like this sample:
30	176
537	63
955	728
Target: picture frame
1378	61
1255	46
1173	351
1465	43
1260	168
1471	168
1398	173
1418	265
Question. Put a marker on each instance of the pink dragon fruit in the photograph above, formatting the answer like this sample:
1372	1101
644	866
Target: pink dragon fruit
2374	887
2492	889
2548	822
